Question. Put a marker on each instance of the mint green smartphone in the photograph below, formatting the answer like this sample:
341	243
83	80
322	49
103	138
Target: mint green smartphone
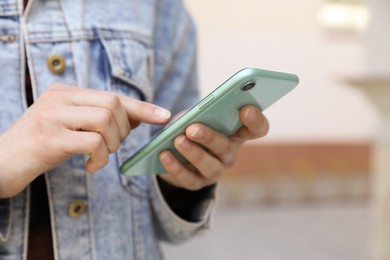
219	110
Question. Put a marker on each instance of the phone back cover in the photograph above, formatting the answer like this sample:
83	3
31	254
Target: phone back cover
219	110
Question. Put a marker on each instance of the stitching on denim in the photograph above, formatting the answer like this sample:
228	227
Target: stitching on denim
13	13
171	63
71	42
82	4
28	52
22	71
80	34
8	7
138	83
139	252
52	219
63	16
133	189
128	187
90	223
26	220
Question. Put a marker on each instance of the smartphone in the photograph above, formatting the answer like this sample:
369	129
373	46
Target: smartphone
218	110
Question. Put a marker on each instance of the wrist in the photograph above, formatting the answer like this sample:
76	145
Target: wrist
185	203
13	174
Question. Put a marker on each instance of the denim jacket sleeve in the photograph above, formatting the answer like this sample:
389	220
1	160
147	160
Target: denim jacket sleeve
172	227
176	81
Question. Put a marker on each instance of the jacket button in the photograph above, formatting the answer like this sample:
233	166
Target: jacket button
56	64
7	38
77	208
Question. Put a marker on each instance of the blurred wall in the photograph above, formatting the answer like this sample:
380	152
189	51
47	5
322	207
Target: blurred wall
378	43
288	37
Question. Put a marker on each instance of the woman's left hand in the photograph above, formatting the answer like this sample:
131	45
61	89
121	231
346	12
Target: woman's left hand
208	166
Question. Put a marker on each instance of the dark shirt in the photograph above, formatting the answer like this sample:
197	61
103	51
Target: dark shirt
40	244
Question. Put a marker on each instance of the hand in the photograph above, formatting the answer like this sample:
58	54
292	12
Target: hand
64	121
207	167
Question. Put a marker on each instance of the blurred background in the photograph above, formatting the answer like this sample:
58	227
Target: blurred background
315	187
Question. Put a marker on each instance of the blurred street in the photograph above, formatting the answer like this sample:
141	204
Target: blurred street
293	232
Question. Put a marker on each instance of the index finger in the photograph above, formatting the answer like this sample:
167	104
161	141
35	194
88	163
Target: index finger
136	110
145	112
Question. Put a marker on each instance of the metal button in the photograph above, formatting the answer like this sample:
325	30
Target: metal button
56	64
7	38
77	208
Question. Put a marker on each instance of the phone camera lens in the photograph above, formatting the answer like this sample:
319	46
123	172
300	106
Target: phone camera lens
248	86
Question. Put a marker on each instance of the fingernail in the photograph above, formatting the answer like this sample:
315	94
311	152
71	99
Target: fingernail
198	133
167	159
250	115
162	113
185	143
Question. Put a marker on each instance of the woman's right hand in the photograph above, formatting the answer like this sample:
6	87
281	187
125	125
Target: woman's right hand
68	120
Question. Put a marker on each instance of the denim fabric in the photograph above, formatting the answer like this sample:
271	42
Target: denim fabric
144	49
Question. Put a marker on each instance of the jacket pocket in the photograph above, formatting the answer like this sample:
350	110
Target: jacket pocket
135	185
130	63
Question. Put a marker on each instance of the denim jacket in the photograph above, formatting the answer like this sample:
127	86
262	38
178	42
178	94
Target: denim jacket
144	49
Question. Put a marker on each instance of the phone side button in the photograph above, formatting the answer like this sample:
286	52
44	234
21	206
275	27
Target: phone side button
206	101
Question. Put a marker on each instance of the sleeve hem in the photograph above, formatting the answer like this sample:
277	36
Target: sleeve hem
172	225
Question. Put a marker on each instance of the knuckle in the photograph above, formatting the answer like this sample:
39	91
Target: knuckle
98	164
198	156
103	161
56	85
208	136
176	170
113	100
216	171
48	95
142	106
225	147
126	131
54	93
229	161
145	106
114	146
96	142
105	118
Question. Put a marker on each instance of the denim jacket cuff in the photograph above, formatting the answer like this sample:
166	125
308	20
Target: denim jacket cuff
174	228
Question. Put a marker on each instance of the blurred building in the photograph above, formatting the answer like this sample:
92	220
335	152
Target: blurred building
291	173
